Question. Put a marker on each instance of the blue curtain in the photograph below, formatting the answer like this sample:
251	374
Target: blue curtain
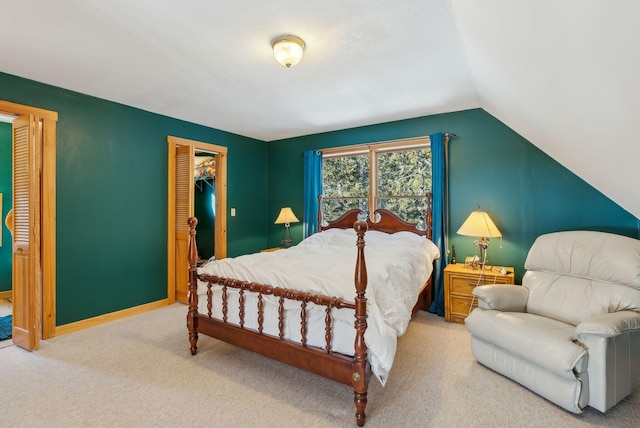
312	189
438	184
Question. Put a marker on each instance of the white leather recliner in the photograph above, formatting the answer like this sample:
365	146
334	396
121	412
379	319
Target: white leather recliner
571	332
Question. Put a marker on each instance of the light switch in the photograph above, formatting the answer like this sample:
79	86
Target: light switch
233	212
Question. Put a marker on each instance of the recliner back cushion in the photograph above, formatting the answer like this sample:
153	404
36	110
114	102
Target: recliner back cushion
593	255
572	299
575	275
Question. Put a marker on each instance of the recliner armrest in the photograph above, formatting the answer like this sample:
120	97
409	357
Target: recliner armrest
610	324
505	298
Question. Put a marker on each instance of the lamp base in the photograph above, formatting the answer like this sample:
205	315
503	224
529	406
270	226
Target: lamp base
480	260
286	238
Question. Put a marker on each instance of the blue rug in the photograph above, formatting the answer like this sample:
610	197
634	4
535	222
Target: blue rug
5	327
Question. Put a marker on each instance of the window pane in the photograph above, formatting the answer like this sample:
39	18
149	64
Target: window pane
409	209
403	179
406	173
334	208
346	176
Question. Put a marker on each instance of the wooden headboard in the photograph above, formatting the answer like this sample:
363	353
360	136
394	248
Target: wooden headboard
388	223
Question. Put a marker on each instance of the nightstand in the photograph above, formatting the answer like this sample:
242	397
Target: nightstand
459	282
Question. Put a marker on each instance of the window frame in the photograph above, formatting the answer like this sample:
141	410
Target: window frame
374	150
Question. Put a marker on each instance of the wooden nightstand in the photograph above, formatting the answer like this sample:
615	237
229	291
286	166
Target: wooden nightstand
459	282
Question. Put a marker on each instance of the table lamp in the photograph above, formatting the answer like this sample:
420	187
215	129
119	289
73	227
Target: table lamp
286	217
479	224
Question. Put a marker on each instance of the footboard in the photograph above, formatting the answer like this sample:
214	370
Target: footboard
349	370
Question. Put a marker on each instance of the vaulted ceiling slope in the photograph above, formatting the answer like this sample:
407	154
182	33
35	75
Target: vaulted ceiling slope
563	74
560	73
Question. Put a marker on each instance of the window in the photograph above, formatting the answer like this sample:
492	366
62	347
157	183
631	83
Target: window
393	175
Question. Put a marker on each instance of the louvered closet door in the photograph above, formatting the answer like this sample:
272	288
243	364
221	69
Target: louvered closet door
185	156
26	235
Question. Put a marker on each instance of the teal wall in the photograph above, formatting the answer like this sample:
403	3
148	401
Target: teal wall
112	197
525	191
5	189
112	191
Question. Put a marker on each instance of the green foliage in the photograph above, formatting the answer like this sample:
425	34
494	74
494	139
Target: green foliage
334	208
410	209
406	173
346	176
403	180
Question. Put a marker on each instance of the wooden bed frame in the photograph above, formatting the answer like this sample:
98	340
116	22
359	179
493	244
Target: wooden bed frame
354	371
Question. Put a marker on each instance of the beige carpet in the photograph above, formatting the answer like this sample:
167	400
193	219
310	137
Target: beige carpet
5	307
138	372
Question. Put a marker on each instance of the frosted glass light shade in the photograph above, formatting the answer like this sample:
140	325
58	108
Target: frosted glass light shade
286	216
288	50
479	224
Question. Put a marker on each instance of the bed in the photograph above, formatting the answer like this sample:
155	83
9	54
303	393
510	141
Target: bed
298	305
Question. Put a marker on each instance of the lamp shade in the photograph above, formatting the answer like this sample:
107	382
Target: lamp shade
479	224
286	216
288	50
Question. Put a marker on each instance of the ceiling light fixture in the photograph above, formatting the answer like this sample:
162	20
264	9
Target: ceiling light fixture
288	50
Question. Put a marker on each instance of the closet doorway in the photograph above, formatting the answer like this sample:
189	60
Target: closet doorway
34	223
182	176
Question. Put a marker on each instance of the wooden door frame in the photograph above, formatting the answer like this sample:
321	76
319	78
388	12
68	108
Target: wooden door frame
220	226
47	212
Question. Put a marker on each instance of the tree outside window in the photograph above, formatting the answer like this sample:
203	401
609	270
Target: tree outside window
395	176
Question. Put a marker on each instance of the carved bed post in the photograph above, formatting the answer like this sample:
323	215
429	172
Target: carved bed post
360	376
193	286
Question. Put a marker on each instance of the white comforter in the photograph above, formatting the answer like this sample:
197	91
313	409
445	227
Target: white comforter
398	265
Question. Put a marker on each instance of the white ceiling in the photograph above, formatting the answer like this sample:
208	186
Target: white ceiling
561	73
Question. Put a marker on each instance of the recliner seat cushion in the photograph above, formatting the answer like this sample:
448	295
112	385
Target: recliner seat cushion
545	342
